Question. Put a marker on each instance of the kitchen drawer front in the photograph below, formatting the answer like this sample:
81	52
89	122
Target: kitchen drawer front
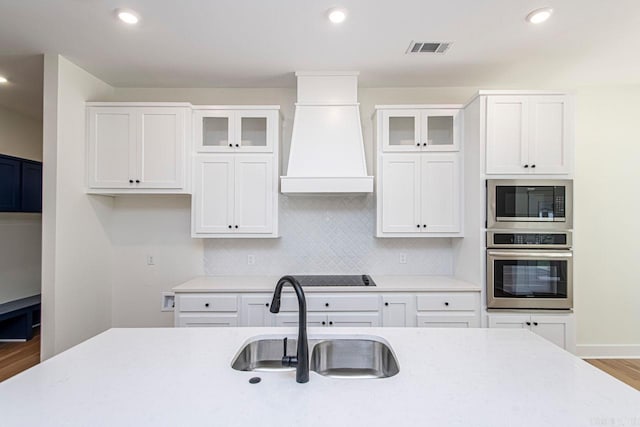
442	301
206	320
208	302
448	320
330	303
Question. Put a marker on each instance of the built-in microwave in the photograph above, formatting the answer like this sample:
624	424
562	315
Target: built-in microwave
529	204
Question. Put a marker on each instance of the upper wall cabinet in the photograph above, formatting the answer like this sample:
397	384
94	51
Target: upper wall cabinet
138	148
227	129
529	134
419	128
20	185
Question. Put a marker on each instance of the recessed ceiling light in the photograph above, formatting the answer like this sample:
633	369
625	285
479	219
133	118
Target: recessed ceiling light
128	16
538	16
3	79
336	15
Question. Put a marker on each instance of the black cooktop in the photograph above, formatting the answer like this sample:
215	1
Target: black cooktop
328	280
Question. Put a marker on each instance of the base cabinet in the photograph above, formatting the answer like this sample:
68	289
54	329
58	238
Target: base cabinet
448	320
557	328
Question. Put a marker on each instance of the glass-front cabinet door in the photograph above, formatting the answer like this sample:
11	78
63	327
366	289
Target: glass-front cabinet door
254	130
214	130
441	130
235	130
401	130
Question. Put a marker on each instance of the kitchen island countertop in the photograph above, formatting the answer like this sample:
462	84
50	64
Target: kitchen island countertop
448	377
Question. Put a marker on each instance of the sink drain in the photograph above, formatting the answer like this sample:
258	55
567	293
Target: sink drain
255	380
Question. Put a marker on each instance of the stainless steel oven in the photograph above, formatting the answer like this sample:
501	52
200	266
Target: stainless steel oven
529	270
529	204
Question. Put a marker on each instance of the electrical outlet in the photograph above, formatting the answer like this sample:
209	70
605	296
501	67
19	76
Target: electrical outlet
251	259
403	258
168	301
151	260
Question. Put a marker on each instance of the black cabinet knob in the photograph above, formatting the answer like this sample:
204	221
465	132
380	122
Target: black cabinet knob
324	323
230	145
424	144
266	305
386	304
237	145
424	225
526	166
418	144
418	225
236	226
230	227
533	166
330	323
535	323
528	323
446	303
206	305
130	181
326	304
137	181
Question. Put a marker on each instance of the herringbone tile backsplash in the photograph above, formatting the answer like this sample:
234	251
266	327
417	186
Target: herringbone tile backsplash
328	235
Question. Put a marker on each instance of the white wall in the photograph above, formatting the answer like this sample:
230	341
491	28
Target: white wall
20	233
77	251
20	135
607	229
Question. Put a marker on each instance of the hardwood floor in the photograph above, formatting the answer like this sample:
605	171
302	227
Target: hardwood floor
626	370
16	357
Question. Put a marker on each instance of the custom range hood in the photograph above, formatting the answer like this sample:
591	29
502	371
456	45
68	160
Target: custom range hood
327	150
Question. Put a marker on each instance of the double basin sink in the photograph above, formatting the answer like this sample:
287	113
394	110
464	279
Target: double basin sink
332	357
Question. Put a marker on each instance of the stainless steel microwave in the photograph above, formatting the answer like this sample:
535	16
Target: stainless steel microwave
530	204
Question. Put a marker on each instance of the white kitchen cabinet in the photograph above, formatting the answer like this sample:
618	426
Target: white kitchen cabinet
557	328
528	134
234	195
226	129
137	148
254	310
398	310
448	320
419	195
419	128
331	319
195	320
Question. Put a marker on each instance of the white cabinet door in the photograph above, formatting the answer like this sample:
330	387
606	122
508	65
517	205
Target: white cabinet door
401	130
448	320
253	194
400	193
161	147
509	321
214	131
398	310
557	329
440	193
354	319
440	130
549	138
254	310
112	147
255	130
212	201
507	135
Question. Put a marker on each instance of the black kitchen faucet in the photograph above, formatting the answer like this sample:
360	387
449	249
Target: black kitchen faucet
301	359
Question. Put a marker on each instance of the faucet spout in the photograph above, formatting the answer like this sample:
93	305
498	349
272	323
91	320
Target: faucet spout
301	360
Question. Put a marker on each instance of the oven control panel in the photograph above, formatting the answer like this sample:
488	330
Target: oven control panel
497	239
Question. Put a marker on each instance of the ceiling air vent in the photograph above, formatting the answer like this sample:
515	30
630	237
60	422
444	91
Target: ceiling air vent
428	47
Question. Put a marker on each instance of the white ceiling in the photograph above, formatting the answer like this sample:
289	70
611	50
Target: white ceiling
259	43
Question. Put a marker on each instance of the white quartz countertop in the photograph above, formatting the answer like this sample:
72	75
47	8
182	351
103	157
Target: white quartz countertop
383	284
448	377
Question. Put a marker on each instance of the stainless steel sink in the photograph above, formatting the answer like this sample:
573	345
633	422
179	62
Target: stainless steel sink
353	358
264	355
335	357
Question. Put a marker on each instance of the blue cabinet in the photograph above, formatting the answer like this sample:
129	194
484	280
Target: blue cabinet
20	185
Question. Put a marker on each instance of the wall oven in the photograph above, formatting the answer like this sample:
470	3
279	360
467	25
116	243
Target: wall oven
529	270
529	204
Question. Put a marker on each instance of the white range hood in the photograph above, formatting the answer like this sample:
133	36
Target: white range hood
327	150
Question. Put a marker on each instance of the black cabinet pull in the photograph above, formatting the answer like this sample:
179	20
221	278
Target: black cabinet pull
386	304
326	304
266	305
535	323
230	145
418	144
528	323
130	181
330	323
237	145
418	225
446	303
137	181
424	225
230	227
206	305
424	144
533	166
236	226
324	323
526	166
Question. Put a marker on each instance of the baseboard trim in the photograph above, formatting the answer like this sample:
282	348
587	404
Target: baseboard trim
608	351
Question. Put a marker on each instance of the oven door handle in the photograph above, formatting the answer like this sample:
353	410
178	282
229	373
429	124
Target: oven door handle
522	254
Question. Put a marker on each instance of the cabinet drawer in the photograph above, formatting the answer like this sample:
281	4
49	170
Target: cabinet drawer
208	302
450	320
207	320
333	303
447	302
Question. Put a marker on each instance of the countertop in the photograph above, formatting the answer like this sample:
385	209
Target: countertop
448	377
383	284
